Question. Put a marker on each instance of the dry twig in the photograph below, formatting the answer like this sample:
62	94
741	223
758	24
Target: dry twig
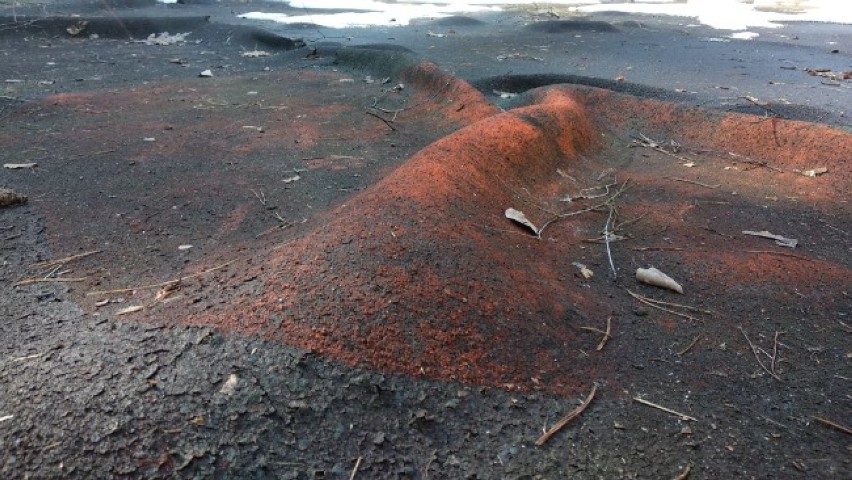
757	351
685	473
30	281
161	284
355	470
606	334
665	409
693	182
831	424
567	418
63	261
689	347
656	304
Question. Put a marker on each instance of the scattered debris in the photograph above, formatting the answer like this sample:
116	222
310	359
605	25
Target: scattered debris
671	149
518	56
164	39
567	418
294	178
206	73
5	418
256	54
18	166
779	240
162	284
77	28
584	270
184	247
436	35
652	276
128	310
10	197
829	74
773	358
519	217
685	473
813	172
665	409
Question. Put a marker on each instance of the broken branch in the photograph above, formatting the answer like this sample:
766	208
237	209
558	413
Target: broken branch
567	418
654	303
665	409
161	284
63	261
30	281
828	422
756	352
677	179
689	347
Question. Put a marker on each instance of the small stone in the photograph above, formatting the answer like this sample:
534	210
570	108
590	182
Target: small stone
379	438
640	311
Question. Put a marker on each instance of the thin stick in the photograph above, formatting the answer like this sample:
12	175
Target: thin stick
63	261
607	335
161	284
646	302
647	249
355	470
756	351
689	347
828	422
774	353
693	182
780	253
387	122
606	240
684	473
30	281
660	302
665	409
567	418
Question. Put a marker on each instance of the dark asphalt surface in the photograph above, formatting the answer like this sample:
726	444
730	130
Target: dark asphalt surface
515	50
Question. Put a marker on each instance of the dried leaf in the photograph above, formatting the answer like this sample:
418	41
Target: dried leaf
652	276
584	270
813	172
519	217
131	309
230	385
779	240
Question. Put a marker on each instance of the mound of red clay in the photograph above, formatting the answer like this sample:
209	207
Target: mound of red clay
423	274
